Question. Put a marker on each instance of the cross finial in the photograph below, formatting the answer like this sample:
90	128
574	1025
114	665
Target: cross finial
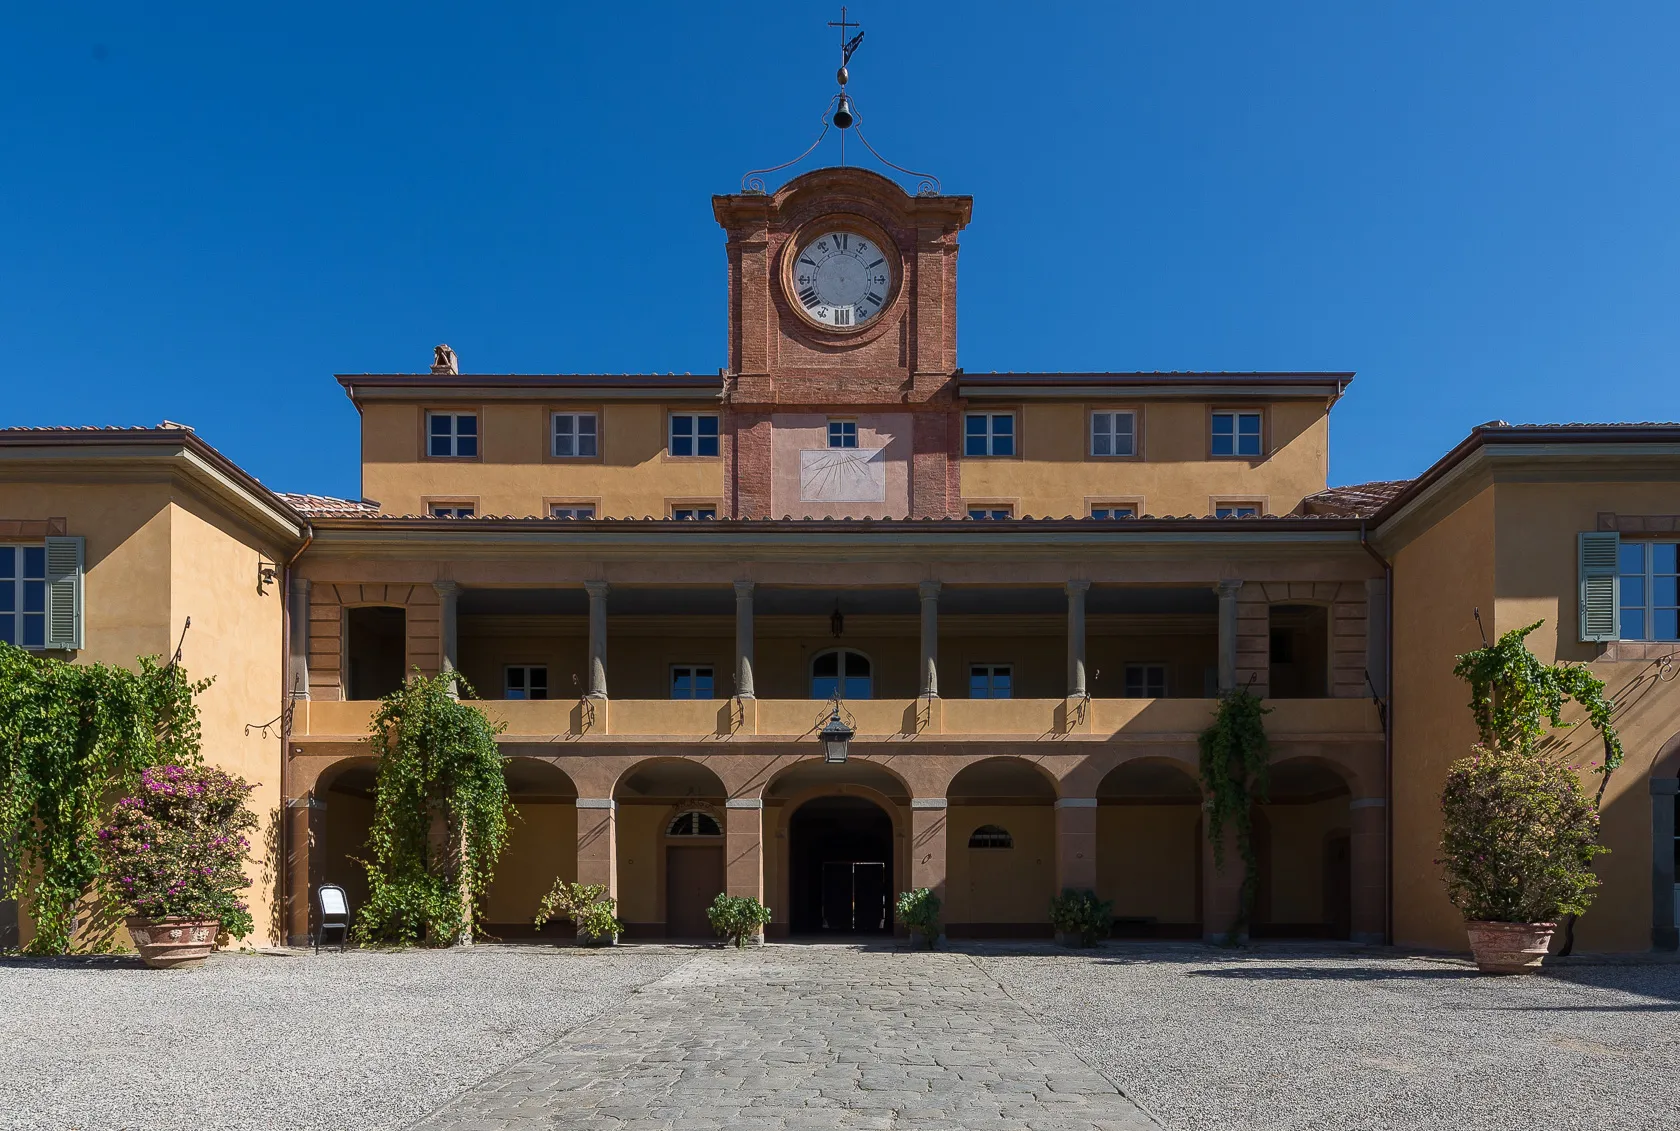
846	46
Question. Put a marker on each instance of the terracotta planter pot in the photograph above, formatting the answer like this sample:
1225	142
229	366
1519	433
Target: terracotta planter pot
1509	948
174	941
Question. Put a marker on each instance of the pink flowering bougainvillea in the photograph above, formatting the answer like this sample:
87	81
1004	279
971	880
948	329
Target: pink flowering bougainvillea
177	847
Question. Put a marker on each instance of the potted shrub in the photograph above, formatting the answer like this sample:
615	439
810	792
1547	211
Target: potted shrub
174	853
737	918
588	906
919	911
1518	832
1080	918
1518	843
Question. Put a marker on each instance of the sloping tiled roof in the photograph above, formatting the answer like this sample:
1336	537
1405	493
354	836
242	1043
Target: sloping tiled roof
1355	500
328	506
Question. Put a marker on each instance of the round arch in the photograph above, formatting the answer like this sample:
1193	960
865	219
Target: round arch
541	848
1000	849
1303	849
665	882
1150	847
342	816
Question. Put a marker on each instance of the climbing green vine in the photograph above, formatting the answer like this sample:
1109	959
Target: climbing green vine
71	734
1234	757
440	818
1517	700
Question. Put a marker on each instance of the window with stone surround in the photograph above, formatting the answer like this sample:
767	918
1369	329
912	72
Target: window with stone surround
452	435
693	434
23	595
1648	576
989	434
575	435
1113	434
1236	434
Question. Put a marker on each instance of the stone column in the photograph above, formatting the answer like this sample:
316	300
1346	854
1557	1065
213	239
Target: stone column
744	847
303	867
1376	633
1227	591
1222	888
930	639
1665	932
928	843
597	842
449	598
297	644
598	591
1076	843
744	640
1076	638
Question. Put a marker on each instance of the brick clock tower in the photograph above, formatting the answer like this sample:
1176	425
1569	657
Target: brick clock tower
840	397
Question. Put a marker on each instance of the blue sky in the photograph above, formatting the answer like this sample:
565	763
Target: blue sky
206	212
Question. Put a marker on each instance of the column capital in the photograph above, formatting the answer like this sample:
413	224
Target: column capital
597	589
1078	586
929	590
929	803
1227	585
447	589
744	589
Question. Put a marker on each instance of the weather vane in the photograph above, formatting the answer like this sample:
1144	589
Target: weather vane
843	118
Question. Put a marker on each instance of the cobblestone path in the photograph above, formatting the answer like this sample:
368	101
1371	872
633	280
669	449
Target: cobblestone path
791	1038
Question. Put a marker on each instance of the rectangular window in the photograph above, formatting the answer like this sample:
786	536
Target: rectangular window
691	681
1649	574
842	433
989	434
991	681
693	434
1115	510
451	510
526	681
1113	434
575	436
1236	510
23	595
1236	434
571	510
452	435
990	512
1146	681
690	514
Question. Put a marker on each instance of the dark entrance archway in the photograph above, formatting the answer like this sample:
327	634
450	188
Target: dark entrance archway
840	857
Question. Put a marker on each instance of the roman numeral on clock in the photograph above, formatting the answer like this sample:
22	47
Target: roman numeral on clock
841	239
877	263
873	297
807	259
809	297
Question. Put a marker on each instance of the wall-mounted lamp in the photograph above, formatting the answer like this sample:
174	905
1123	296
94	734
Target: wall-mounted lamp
835	735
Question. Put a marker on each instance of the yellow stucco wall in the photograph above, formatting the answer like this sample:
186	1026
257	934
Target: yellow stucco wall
1512	552
1439	578
633	478
1147	860
157	553
1000	885
542	847
640	847
1297	856
1053	476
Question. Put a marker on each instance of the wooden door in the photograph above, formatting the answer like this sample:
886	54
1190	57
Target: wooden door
693	878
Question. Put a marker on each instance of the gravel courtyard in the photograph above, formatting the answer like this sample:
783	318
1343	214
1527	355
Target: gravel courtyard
981	1037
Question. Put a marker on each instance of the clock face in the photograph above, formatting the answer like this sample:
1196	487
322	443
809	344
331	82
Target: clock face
841	279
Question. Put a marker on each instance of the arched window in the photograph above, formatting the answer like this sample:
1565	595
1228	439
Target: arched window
694	823
842	670
990	836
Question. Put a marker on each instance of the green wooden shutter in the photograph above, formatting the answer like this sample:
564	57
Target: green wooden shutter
1598	553
64	592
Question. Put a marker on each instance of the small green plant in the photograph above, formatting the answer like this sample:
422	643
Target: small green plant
919	911
737	918
1519	838
1080	912
588	906
177	847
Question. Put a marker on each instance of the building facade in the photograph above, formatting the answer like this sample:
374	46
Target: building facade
1023	593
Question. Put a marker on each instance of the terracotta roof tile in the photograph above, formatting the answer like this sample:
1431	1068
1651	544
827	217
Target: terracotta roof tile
1355	500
